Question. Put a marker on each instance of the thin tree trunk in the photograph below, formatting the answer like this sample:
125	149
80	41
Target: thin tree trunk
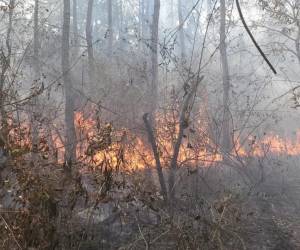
5	65
36	68
154	57
152	141
226	128
172	13
141	17
153	79
181	32
183	124
142	24
70	141
89	39
208	6
118	17
297	41
147	19
122	33
110	32
75	28
36	44
53	149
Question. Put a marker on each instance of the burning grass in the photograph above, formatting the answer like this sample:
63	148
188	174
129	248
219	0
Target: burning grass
101	144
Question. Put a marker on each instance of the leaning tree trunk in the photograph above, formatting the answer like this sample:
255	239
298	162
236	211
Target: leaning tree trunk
226	142
89	39
70	134
181	32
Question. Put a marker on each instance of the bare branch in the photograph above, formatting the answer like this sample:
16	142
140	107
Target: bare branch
253	39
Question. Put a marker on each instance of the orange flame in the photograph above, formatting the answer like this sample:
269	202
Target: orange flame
135	152
127	149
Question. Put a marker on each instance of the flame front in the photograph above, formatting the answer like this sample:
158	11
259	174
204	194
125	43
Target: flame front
101	146
132	151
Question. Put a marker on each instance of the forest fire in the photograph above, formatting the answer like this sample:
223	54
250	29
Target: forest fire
101	144
104	145
276	145
149	124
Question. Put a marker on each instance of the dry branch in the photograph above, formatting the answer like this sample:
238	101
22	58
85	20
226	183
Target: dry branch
253	39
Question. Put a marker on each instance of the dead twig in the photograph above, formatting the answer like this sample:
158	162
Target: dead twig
11	231
142	235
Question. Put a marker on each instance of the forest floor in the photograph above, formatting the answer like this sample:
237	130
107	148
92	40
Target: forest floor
125	211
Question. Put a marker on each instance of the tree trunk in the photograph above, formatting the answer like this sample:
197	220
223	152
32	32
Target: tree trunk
118	19
141	17
183	124
75	28
181	32
89	39
36	68
110	32
159	170
147	19
153	79
122	34
70	134
154	58
208	6
297	41
172	13
226	128
5	65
